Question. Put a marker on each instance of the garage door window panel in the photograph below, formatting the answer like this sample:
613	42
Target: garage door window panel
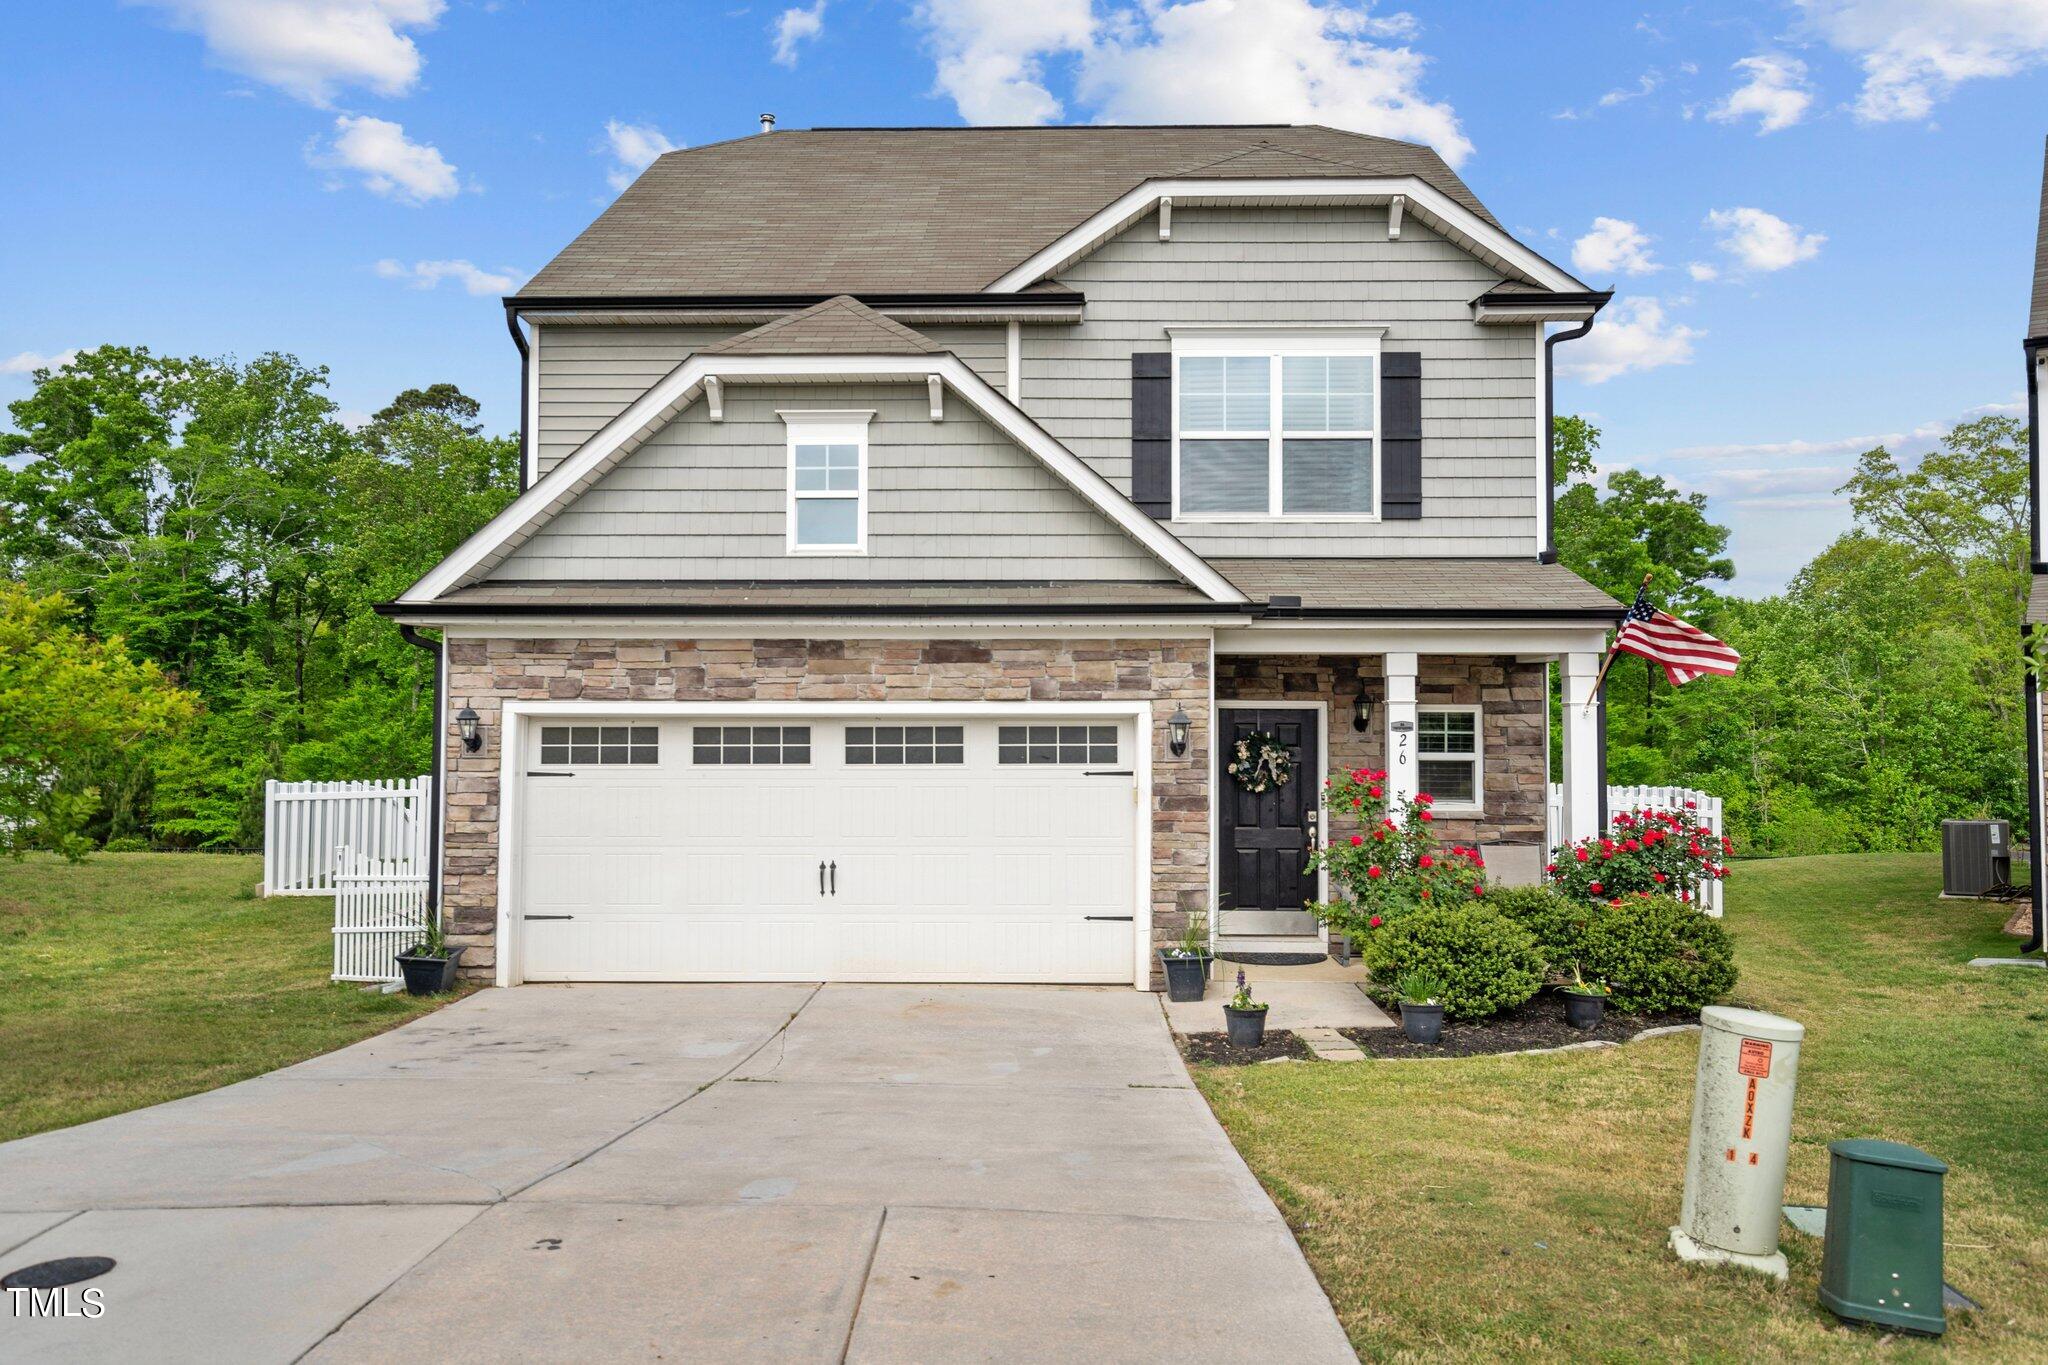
905	745
1056	744
600	745
750	745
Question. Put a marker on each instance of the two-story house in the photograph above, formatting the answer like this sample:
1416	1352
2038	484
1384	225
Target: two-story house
916	520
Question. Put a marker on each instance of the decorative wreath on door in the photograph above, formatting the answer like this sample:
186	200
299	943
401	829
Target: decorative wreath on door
1261	763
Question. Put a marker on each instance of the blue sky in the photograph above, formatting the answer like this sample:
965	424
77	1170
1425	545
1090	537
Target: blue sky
1819	214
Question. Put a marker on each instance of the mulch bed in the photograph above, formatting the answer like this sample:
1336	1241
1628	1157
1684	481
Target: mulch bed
1215	1048
1538	1023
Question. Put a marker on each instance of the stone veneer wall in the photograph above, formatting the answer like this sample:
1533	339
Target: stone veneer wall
1512	695
485	673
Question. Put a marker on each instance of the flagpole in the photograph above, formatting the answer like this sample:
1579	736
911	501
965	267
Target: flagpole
1613	649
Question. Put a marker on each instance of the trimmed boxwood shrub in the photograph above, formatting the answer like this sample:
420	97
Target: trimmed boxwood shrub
1657	955
1486	962
1555	921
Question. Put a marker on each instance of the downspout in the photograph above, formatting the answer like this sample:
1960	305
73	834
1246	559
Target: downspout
2037	808
1548	554
525	378
411	636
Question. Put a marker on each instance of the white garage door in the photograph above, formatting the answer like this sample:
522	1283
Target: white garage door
875	848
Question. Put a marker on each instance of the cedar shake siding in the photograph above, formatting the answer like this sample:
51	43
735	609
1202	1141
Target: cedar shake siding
483	674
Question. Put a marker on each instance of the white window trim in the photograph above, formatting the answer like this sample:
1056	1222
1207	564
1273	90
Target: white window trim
1308	339
847	426
1458	808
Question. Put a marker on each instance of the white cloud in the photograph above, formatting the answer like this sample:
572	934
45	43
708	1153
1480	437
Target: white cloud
1645	83
633	147
1777	93
1914	53
1631	336
1614	245
1762	241
311	48
1204	61
1702	271
28	362
991	54
389	163
795	26
473	278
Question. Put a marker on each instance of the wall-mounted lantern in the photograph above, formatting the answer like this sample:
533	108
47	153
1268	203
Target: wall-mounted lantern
472	733
1177	732
1361	712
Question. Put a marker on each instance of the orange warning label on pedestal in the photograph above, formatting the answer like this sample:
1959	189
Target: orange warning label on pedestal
1755	1058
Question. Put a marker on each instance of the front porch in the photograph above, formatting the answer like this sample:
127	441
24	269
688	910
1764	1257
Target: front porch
1458	709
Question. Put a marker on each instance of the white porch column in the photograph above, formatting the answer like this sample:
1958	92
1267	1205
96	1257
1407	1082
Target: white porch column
1581	748
1402	768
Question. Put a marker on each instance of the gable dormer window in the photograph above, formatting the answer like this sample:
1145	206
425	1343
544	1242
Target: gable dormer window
827	509
1276	425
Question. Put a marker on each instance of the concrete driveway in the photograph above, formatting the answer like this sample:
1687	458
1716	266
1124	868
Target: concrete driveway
889	1173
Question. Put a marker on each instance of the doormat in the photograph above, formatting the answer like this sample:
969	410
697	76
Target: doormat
1273	959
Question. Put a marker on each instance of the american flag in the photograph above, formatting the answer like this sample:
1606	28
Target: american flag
1685	651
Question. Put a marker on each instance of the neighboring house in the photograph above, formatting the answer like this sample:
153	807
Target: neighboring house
916	517
2036	352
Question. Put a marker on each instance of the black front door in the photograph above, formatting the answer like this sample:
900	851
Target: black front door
1263	839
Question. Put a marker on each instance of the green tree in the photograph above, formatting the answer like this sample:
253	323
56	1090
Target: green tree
69	706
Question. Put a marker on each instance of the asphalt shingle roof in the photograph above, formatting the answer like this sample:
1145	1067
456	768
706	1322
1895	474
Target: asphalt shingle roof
838	326
2037	323
731	596
1453	586
917	210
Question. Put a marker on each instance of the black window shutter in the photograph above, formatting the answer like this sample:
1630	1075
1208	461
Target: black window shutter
1152	433
1401	435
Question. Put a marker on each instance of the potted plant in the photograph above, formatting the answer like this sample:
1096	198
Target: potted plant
1585	1002
1245	1017
429	965
1422	1005
1187	962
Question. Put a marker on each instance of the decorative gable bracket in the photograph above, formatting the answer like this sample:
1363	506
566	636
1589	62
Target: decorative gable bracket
935	387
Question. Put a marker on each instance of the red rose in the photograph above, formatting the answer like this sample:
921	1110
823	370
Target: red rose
1425	815
1550	867
1372	791
1425	861
1375	922
1658	877
1594	887
1425	895
1373	871
1357	839
1423	798
1479	890
1692	805
1580	854
1358	774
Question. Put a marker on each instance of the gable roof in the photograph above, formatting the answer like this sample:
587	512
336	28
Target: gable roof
682	386
2037	323
838	326
922	210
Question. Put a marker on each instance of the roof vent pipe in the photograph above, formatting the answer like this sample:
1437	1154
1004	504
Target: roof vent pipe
767	123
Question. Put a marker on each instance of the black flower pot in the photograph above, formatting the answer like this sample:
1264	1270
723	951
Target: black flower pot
429	975
1583	1010
1247	1027
1186	977
1422	1023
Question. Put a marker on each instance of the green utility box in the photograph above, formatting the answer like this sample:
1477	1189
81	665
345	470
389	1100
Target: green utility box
1882	1260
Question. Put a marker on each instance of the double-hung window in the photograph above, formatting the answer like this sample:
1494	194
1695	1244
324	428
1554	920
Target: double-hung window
827	511
1279	425
1450	754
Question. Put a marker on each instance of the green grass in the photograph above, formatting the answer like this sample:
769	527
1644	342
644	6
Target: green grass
135	978
1517	1207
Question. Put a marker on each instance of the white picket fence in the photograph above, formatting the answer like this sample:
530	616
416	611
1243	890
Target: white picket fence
1625	799
380	910
304	823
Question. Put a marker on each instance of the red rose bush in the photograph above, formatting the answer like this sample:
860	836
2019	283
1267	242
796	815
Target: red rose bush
1644	853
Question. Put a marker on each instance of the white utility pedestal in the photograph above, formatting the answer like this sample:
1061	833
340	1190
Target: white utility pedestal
1741	1132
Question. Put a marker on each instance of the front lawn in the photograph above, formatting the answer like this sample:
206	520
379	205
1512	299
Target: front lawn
1517	1207
135	978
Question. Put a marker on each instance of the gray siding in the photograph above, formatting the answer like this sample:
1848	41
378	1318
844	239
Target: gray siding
1259	265
590	373
984	348
947	500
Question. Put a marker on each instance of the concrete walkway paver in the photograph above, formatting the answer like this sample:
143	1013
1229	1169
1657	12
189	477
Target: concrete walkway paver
727	1173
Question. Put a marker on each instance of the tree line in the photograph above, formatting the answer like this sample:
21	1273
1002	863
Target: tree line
194	547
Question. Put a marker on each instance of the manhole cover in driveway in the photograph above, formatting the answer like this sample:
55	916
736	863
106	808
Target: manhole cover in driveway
58	1273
